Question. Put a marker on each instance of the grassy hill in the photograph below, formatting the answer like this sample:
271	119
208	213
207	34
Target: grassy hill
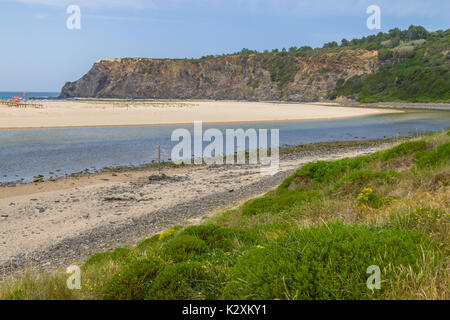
414	67
311	238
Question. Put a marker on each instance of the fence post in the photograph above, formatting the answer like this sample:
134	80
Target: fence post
159	159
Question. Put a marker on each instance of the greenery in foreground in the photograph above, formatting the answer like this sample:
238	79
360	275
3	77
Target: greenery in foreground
311	238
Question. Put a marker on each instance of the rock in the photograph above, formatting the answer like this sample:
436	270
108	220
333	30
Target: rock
119	199
157	177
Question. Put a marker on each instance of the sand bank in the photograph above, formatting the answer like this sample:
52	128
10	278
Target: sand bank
99	113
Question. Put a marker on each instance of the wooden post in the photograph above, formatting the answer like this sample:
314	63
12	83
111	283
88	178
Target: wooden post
159	159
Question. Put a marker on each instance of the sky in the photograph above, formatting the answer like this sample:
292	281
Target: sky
39	53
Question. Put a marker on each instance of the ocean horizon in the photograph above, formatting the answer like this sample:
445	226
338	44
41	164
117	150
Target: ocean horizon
29	94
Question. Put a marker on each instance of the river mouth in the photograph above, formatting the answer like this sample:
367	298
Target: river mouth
29	155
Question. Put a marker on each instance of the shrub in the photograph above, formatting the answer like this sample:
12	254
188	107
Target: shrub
169	232
118	255
409	147
440	155
181	281
370	199
130	283
274	231
353	182
325	262
282	68
148	243
324	171
275	203
222	238
184	246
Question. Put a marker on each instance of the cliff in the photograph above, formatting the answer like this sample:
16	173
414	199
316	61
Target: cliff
264	76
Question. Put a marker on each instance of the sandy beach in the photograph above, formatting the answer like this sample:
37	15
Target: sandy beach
92	113
52	223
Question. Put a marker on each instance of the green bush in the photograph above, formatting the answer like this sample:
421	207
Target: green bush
370	199
282	68
222	238
440	155
184	246
274	203
169	233
324	171
181	281
324	262
118	255
355	181
130	283
148	243
409	147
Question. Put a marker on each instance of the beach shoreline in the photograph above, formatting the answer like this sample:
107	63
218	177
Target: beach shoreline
49	227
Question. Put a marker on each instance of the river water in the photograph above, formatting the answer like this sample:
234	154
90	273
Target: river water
56	152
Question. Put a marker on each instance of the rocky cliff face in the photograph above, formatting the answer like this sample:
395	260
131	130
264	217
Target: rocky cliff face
235	77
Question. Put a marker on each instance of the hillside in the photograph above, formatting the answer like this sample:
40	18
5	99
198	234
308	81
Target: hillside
409	65
313	237
414	66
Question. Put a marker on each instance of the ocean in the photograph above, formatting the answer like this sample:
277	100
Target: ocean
39	95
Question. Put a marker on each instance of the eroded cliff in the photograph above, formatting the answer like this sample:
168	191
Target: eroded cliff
267	76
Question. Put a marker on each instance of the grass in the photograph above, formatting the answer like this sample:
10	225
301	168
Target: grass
313	237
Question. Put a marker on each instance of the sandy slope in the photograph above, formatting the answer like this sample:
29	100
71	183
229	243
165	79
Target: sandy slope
97	113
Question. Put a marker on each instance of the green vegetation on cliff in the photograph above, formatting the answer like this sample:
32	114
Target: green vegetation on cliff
313	237
414	66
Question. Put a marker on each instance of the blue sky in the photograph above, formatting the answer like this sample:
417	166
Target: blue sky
38	52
